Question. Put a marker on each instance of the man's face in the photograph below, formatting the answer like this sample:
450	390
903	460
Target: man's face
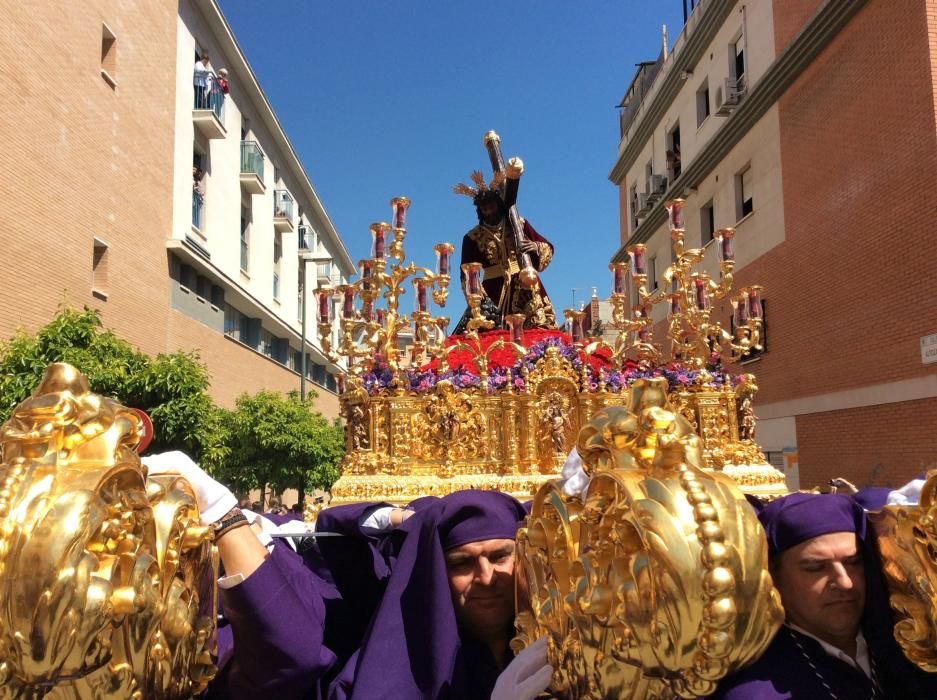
822	586
481	580
490	211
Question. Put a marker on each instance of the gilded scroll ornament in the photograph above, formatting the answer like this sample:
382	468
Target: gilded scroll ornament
657	585
107	579
907	541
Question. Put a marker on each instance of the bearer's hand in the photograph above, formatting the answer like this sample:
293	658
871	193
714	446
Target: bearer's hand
526	676
530	247
214	499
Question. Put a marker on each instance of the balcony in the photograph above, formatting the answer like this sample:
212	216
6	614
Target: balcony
324	273
282	211
252	168
208	108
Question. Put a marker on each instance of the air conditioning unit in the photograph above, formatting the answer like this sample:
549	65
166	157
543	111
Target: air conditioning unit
644	205
303	238
730	96
658	187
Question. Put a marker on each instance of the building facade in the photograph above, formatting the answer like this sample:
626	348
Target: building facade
802	124
145	190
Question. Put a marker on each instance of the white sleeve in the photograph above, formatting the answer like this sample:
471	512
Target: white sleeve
376	519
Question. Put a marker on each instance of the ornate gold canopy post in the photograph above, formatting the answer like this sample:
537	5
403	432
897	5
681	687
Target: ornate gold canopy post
107	579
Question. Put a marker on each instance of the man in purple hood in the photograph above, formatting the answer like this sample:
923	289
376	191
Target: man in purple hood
446	617
837	639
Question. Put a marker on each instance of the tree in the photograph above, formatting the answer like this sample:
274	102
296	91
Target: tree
279	440
172	388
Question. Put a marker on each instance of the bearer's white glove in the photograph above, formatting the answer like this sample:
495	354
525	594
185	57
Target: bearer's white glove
574	481
214	499
526	676
907	495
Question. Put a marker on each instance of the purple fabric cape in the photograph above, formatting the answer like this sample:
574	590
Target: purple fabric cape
413	648
782	672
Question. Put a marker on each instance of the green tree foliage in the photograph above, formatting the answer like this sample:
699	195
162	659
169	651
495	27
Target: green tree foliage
269	438
172	388
279	440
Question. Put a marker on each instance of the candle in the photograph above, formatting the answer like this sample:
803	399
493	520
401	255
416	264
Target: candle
348	301
367	310
676	304
516	324
754	302
740	308
702	298
643	334
674	209
638	262
399	206
724	238
381	316
340	382
378	239
443	258
419	297
367	272
324	298
442	325
619	281
472	272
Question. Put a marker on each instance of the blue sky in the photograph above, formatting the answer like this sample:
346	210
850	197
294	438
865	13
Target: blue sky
382	99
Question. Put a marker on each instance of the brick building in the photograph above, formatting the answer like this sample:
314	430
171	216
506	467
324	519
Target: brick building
106	121
809	126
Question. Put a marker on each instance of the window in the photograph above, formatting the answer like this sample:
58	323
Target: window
652	273
203	287
737	60
324	271
702	103
245	240
277	255
234	324
108	56
743	194
99	269
674	165
198	191
266	342
707	223
648	171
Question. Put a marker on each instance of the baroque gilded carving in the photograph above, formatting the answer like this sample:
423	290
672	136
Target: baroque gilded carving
107	580
657	585
450	426
907	541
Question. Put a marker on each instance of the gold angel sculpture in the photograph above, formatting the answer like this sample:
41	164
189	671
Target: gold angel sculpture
657	585
107	580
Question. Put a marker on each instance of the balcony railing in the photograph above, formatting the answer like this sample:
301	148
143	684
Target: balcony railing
208	104
252	159
282	205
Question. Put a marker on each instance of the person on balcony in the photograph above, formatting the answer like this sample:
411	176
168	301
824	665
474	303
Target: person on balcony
203	79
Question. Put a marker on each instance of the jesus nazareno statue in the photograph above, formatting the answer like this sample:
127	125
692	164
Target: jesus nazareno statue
509	249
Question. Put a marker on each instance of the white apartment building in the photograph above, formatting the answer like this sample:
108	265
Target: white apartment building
245	218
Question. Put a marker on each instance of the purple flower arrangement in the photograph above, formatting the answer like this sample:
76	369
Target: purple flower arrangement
380	379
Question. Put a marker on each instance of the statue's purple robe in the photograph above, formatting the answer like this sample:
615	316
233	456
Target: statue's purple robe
414	647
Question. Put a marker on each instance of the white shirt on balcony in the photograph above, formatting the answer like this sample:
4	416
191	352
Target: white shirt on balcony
202	74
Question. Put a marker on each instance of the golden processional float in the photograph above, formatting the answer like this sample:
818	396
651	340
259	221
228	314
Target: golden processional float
653	585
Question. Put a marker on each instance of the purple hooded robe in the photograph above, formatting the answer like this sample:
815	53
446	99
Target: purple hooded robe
795	666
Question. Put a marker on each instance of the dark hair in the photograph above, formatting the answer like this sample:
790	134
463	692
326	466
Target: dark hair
486	196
